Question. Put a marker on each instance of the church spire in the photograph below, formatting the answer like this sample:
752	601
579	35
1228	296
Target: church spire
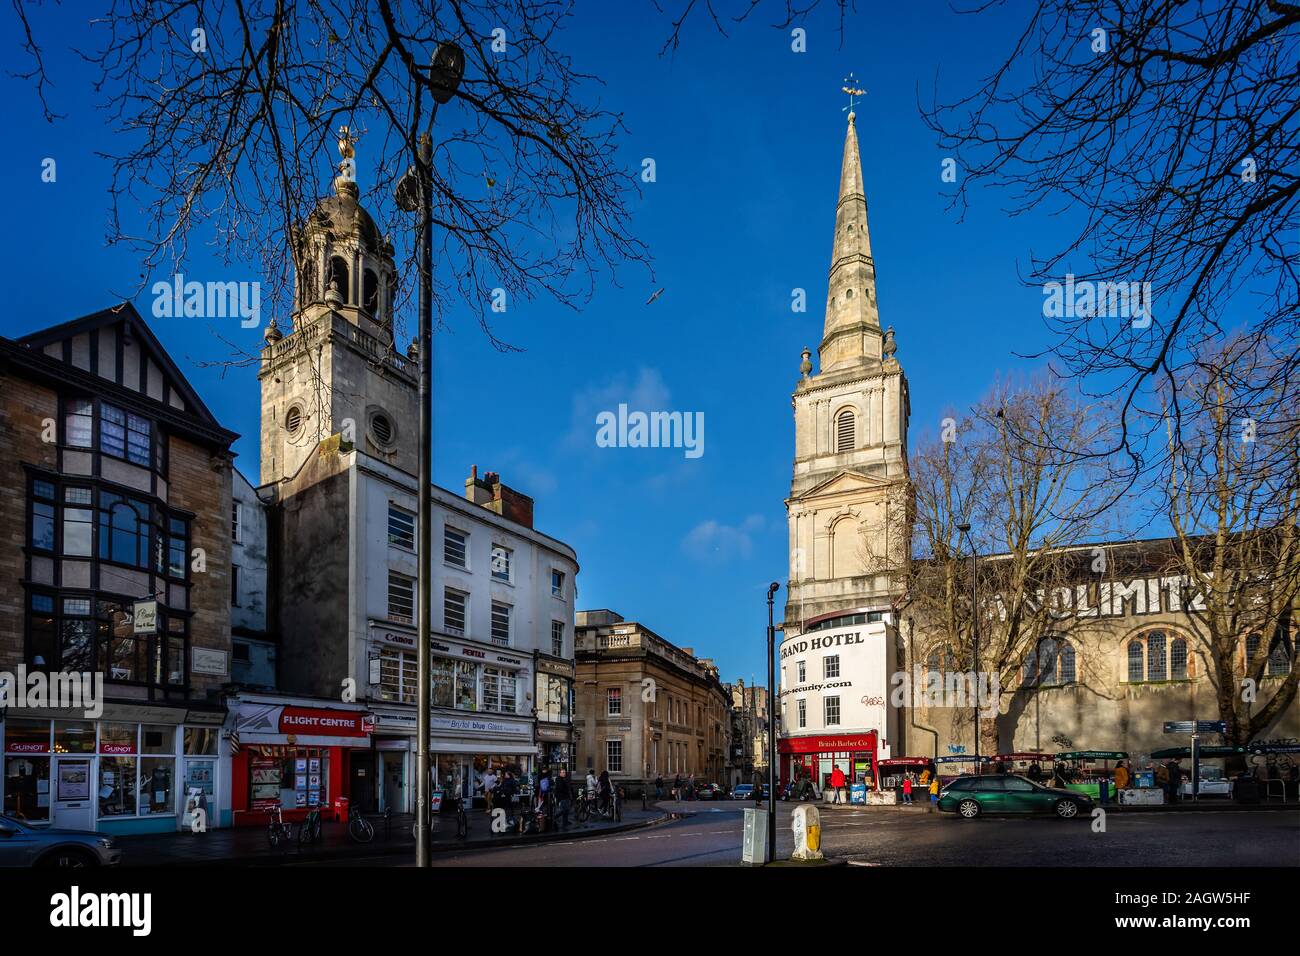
852	333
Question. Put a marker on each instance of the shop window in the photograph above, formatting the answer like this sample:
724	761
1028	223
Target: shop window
117	786
74	737
156	779
27	782
201	741
397	675
466	686
444	683
119	740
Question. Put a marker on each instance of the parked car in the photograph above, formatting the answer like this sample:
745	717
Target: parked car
24	845
709	791
972	795
745	791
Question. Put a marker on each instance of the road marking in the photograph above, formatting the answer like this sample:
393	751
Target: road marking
863	863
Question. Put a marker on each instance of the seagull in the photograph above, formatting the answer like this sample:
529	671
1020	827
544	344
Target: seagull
658	293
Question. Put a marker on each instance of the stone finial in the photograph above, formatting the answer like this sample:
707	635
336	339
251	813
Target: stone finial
890	347
333	298
805	367
413	350
272	333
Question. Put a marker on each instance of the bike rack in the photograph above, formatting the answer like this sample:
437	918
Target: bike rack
1268	789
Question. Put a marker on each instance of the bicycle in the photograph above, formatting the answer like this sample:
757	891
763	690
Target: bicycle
278	832
309	829
359	828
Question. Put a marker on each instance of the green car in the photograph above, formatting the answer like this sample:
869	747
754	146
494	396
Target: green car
971	796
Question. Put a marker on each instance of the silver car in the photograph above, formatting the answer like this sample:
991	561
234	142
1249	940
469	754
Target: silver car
24	845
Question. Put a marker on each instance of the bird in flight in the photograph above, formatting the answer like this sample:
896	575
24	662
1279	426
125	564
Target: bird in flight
657	294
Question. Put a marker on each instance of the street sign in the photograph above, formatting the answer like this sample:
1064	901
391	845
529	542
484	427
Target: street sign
1196	726
145	617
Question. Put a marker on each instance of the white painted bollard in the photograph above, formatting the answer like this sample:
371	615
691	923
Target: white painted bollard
807	826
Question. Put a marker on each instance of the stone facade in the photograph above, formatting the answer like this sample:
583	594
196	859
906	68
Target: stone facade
658	707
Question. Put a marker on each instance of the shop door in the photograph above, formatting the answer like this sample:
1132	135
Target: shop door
200	793
364	792
394	790
74	799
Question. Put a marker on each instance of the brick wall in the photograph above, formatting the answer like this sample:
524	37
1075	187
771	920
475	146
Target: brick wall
24	407
198	486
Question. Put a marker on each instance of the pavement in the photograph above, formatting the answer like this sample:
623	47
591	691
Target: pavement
248	846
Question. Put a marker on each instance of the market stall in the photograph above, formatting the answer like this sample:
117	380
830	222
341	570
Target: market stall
893	770
1214	781
1086	771
1030	764
958	765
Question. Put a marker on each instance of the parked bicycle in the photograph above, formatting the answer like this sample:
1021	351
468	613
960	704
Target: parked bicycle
278	833
309	829
359	828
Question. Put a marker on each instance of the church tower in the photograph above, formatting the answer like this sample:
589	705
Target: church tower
848	501
337	372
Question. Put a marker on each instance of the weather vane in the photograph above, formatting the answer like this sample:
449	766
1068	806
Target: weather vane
851	87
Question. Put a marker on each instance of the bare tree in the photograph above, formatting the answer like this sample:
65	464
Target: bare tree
1238	553
1027	500
226	113
1169	131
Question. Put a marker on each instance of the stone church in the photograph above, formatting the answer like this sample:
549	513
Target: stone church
1127	658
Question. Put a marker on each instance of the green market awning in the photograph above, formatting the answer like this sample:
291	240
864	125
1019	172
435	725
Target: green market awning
1093	755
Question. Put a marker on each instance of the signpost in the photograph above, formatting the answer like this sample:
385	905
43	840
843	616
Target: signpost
1196	728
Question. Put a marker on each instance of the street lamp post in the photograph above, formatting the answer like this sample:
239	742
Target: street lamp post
975	636
414	193
771	736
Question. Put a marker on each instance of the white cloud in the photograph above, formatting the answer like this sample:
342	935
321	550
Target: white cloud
647	393
712	541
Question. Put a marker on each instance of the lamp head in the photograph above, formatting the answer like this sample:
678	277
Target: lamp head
773	588
446	71
963	528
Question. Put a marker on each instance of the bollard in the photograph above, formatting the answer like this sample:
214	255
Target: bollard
807	825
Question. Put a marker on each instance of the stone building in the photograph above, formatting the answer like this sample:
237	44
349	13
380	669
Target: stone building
115	564
339	475
854	653
646	708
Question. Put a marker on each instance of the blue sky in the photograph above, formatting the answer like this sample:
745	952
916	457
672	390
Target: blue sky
747	137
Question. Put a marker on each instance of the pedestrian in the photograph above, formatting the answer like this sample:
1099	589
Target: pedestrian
590	793
1162	779
563	798
659	788
690	787
489	788
1122	777
907	789
1175	773
509	794
1035	772
606	790
837	784
677	787
758	789
934	794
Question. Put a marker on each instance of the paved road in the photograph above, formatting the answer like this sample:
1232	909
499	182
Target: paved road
711	836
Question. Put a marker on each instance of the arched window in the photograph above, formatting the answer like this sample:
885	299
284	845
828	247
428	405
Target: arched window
1279	660
845	437
1178	659
339	274
1135	660
1156	655
307	289
1050	664
1066	674
370	292
932	661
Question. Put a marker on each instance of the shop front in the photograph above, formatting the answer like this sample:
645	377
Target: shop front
133	770
466	747
554	704
295	755
817	756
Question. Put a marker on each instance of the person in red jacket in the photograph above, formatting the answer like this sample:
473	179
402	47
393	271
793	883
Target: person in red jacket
838	784
907	789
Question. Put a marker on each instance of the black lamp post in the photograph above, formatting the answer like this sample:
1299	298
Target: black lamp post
771	726
414	193
975	636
